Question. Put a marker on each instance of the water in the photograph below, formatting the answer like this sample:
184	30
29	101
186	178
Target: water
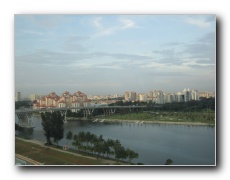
185	145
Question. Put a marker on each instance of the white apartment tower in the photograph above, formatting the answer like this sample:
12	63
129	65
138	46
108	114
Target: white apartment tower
157	97
18	96
187	95
195	95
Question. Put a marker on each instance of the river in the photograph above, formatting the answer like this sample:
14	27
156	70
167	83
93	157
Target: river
155	143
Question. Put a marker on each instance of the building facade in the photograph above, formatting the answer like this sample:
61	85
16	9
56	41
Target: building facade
52	100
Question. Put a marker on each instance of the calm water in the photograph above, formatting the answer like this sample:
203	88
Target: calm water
185	145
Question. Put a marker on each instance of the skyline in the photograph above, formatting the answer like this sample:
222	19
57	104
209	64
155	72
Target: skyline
107	54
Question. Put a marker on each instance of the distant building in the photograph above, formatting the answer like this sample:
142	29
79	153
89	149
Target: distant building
180	97
18	97
207	94
187	95
157	96
75	104
195	95
52	100
130	96
87	103
142	97
169	98
34	97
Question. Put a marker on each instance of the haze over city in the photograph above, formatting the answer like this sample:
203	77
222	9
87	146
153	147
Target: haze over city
107	54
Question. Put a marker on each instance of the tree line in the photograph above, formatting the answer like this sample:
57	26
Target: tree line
201	105
97	145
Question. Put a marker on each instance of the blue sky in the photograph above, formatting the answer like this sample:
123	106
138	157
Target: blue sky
108	54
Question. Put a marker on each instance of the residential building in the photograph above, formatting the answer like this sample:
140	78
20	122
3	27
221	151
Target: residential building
18	97
130	96
187	95
169	98
52	100
195	95
142	97
180	97
157	96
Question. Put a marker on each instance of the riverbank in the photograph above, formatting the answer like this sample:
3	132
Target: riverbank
36	151
161	122
104	120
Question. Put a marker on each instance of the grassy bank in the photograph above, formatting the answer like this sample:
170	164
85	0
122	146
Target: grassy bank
168	117
54	156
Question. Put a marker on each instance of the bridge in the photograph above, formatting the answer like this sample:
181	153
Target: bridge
25	115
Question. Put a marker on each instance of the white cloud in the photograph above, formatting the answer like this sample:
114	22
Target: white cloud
106	31
202	23
32	32
97	22
127	23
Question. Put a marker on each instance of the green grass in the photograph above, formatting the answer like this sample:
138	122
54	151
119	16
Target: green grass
168	117
49	156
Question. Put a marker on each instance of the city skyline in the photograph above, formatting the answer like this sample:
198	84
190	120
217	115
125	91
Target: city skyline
38	96
107	54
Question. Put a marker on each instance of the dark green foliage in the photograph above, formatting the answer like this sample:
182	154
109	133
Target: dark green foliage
23	104
131	154
91	143
17	127
190	106
168	162
69	136
53	126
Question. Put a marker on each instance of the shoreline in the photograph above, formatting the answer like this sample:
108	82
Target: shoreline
144	121
160	122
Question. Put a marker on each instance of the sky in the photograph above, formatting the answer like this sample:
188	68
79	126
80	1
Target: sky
112	54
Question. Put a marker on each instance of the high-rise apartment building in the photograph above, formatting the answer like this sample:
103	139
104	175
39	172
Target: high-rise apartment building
130	96
187	95
142	97
157	97
18	96
195	95
180	97
169	98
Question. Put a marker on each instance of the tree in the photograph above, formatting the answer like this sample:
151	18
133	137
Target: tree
47	126
69	136
120	152
131	154
76	142
58	128
168	162
53	126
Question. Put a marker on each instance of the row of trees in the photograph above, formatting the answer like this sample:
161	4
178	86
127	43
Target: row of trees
97	145
23	104
202	105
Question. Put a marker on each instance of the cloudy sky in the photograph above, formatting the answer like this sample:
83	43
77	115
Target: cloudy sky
108	54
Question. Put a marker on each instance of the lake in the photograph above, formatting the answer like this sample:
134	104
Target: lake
155	143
